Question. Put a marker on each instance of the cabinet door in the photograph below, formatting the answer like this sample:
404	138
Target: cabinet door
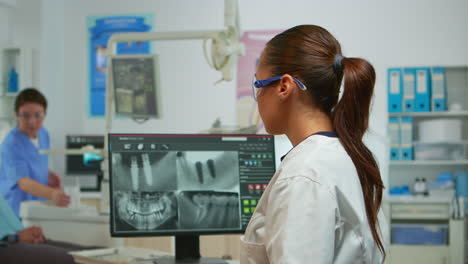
409	254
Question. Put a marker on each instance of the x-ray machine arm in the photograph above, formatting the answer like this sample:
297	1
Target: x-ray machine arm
225	49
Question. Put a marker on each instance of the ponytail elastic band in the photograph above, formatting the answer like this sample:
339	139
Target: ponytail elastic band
337	63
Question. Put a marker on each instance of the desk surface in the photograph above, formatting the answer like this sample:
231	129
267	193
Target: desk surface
40	210
122	255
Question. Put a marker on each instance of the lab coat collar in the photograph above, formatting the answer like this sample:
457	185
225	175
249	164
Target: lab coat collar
320	133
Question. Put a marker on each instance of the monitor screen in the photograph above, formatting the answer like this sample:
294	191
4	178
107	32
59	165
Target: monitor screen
87	163
186	184
135	80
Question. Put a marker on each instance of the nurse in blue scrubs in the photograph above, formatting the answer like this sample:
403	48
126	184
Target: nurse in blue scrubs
24	172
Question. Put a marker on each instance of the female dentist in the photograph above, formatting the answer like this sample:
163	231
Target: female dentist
323	203
24	172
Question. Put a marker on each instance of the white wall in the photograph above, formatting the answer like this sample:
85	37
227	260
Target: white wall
26	32
19	27
5	22
52	61
387	33
190	101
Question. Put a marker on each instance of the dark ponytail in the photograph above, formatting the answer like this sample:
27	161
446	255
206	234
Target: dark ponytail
350	120
311	54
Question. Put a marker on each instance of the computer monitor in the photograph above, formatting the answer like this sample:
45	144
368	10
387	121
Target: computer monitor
186	185
88	165
135	80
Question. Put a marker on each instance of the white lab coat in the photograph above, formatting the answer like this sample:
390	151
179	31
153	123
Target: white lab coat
312	211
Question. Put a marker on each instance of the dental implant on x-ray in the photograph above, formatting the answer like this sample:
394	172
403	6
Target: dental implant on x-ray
135	171
209	181
208	170
147	169
211	169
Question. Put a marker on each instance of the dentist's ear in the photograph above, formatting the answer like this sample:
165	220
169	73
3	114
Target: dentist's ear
286	87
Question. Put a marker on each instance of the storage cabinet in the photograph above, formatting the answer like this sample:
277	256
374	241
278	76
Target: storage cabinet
427	212
429	160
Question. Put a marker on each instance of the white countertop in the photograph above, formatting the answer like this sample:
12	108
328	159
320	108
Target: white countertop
91	195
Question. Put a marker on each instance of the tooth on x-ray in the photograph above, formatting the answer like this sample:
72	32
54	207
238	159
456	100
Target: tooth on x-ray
211	168
147	169
198	166
213	209
134	172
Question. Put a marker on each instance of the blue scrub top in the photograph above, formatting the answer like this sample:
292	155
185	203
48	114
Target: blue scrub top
10	223
20	158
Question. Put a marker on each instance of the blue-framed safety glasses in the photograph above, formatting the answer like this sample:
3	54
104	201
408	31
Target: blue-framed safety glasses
262	83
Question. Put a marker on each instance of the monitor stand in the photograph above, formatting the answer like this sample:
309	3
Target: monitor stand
187	251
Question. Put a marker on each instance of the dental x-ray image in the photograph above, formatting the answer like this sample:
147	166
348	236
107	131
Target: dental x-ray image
175	190
145	210
144	187
144	172
208	210
208	170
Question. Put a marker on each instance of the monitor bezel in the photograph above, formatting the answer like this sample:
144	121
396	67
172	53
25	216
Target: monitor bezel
172	232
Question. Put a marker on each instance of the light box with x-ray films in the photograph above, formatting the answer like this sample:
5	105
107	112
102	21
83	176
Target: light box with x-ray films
135	81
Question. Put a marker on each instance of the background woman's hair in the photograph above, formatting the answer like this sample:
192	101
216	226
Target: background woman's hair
308	53
30	95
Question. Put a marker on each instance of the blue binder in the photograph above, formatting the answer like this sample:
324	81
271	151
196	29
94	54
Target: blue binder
395	83
422	99
394	132
439	90
406	138
461	186
409	86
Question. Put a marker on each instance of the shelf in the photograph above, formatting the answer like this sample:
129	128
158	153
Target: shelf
9	95
429	162
420	247
417	199
428	254
432	114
